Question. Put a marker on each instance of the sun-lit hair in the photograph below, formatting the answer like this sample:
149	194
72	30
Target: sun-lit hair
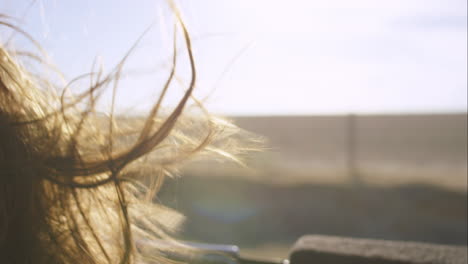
76	185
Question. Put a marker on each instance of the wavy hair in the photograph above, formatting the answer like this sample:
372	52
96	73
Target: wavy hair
77	186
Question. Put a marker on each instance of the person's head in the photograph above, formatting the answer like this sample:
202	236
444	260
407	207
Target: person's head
76	185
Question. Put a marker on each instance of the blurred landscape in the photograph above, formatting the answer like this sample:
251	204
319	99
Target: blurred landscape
397	177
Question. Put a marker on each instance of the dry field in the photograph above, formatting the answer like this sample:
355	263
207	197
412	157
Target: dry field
389	177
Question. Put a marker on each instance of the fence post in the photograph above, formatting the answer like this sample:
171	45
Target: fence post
351	140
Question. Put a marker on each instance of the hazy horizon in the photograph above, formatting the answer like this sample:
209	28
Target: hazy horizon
382	113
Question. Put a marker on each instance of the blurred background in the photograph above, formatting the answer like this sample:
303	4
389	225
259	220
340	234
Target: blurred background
363	105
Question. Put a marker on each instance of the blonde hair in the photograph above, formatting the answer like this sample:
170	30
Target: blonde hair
77	186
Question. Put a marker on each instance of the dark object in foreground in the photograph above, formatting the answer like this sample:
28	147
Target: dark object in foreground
338	250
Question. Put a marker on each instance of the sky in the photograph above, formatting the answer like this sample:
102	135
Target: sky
267	57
